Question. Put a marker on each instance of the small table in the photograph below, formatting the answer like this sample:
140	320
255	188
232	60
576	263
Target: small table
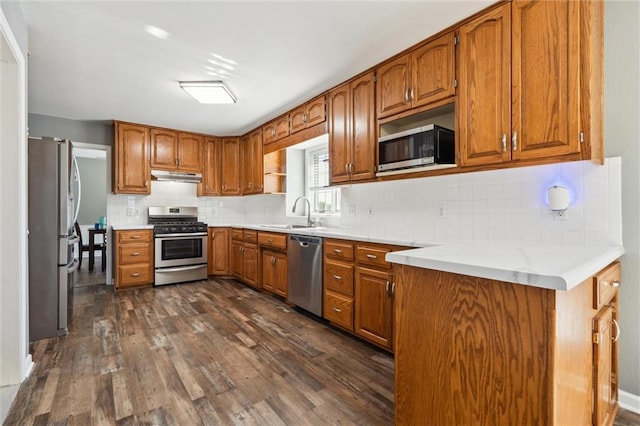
92	233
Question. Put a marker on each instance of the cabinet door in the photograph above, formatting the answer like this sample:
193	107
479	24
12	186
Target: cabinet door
432	71
190	152
268	278
164	149
280	275
316	111
250	255
211	174
339	133
603	360
545	78
269	132
297	117
258	161
374	306
393	87
230	166
219	251
246	175
363	128
237	259
282	127
131	159
483	109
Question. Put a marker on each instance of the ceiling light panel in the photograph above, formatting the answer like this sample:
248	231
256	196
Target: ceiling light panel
208	92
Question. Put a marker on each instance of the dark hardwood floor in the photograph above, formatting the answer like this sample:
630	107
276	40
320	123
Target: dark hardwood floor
83	277
213	352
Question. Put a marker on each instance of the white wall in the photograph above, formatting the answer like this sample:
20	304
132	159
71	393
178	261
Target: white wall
622	137
15	362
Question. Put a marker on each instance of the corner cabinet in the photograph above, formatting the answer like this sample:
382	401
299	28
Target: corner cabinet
230	166
252	164
505	353
211	176
132	173
352	130
528	84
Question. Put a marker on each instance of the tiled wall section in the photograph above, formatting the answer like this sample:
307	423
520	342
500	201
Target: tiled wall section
501	206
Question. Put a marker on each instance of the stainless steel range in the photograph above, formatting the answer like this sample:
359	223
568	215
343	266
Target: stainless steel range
180	244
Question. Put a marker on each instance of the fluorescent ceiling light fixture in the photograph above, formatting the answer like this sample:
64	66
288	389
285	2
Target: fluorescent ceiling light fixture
208	92
157	32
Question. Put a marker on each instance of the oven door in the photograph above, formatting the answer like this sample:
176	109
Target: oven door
180	250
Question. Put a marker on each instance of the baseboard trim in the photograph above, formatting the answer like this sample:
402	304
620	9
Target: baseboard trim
629	401
29	364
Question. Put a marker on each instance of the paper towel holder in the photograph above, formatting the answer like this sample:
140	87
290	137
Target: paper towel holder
558	198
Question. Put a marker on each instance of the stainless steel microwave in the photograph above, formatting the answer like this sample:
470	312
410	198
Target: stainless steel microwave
422	146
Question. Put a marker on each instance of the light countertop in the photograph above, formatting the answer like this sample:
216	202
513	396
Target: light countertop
118	227
557	268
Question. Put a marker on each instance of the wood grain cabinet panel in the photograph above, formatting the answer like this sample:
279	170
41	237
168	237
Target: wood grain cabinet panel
338	277
218	262
164	149
274	272
307	115
282	127
352	133
251	269
211	176
339	310
237	259
190	152
252	164
133	258
131	164
374	306
394	82
604	387
230	166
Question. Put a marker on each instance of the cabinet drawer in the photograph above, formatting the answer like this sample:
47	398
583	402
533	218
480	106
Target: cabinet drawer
129	254
131	275
236	234
339	310
338	277
605	284
269	239
250	236
135	236
374	256
338	249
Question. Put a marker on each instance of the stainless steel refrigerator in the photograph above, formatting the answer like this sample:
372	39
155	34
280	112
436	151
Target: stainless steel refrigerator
51	238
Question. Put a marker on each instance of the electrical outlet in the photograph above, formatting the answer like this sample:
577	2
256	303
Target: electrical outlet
561	215
441	208
130	211
352	210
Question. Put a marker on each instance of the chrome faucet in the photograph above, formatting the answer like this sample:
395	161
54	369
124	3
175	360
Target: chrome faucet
293	210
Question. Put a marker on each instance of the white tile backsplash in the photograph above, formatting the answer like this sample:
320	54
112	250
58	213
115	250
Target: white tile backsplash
498	206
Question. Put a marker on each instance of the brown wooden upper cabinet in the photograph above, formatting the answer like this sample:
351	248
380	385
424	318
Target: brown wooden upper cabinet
352	130
252	164
307	115
132	174
211	176
419	78
520	89
276	129
230	166
172	150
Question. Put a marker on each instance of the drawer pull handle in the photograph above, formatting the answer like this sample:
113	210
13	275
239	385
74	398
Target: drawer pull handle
337	277
135	274
393	289
135	254
615	339
337	309
135	237
372	256
386	288
337	251
615	284
270	240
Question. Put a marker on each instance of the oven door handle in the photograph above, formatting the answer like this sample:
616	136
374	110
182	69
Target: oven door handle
187	235
181	268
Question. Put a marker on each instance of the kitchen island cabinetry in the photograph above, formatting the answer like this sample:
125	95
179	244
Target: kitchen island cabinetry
218	262
133	258
530	87
132	174
352	130
419	78
504	353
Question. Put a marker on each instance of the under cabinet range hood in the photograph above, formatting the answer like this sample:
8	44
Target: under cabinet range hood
166	176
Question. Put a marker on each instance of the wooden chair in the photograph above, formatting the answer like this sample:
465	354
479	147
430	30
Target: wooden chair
85	247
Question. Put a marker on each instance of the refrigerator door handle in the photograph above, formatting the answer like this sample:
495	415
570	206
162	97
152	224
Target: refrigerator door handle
79	180
73	266
63	299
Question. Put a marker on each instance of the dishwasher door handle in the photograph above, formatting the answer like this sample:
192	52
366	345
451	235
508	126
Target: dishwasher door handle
303	244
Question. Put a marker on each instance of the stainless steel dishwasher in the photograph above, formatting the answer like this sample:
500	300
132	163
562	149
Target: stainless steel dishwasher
304	257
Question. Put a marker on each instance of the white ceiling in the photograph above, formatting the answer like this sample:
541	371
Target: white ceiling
93	60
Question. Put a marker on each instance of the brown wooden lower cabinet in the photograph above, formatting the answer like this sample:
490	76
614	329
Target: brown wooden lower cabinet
478	351
218	262
274	273
134	258
374	306
244	260
250	255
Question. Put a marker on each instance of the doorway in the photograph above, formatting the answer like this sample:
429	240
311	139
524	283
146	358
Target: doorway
90	186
